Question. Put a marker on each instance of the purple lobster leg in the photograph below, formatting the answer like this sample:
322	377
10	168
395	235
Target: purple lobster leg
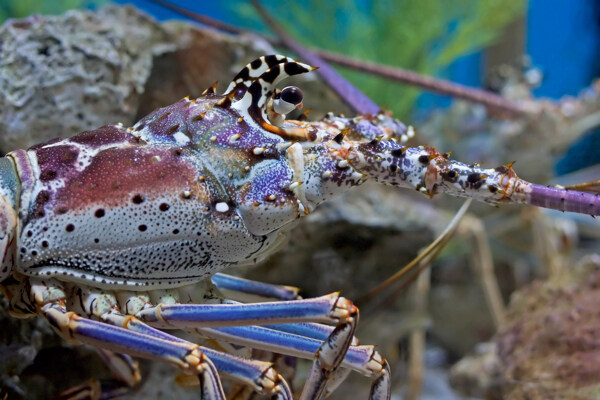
254	288
259	375
318	332
329	309
187	356
235	287
363	359
280	292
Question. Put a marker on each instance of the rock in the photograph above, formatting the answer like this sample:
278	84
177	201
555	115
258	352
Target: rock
352	243
551	346
478	375
65	74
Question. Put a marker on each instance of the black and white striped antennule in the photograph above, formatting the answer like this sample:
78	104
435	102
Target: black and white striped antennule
242	81
254	102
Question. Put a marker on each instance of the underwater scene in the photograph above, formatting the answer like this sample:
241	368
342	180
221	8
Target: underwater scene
198	200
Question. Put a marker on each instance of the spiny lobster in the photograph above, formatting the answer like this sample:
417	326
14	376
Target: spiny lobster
117	233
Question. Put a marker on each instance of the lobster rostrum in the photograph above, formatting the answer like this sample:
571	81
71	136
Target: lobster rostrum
117	234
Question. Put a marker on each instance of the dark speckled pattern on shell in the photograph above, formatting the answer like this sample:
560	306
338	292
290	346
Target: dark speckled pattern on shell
224	143
191	188
111	205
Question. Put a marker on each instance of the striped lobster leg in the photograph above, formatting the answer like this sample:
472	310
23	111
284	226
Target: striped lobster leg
187	356
228	283
127	335
258	375
363	359
248	290
329	309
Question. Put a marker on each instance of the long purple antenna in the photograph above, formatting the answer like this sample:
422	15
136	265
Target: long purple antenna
561	199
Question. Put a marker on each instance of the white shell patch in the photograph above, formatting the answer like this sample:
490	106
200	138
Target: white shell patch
222	207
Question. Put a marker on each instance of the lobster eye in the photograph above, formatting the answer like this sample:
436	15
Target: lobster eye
240	91
292	95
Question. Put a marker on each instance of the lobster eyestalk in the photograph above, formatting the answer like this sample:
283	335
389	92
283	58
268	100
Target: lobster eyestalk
425	169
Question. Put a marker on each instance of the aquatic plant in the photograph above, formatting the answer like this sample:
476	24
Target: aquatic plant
24	8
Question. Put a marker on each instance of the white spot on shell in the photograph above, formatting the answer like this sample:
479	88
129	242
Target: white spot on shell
181	138
293	185
222	207
258	150
339	124
342	164
283	146
357	176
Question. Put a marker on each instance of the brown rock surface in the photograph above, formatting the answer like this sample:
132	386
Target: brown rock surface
551	348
